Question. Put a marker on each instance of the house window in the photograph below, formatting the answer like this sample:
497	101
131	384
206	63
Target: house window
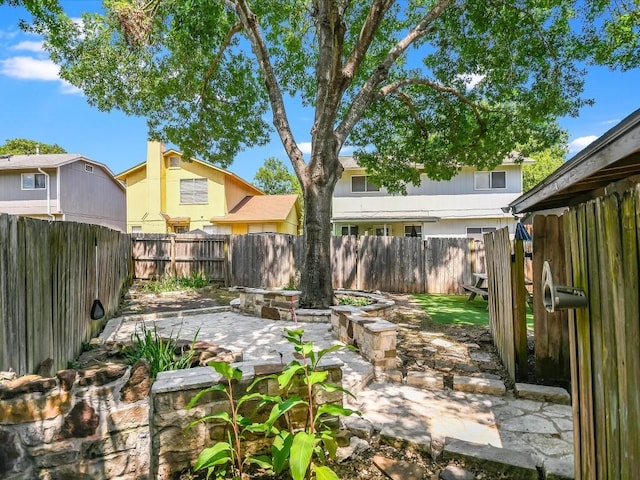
413	230
88	168
174	162
136	229
361	183
34	181
350	230
490	180
180	229
382	231
194	191
476	232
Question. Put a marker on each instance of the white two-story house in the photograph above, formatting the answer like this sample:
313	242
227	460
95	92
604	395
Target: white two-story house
468	205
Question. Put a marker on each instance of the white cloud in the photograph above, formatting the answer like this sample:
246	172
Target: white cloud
611	122
29	45
7	34
580	143
305	147
69	89
30	68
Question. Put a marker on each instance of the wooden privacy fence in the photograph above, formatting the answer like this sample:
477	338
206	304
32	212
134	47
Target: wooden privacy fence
603	258
264	260
507	301
47	287
392	264
155	255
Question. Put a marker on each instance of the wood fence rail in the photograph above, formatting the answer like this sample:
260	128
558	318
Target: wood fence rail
47	287
393	264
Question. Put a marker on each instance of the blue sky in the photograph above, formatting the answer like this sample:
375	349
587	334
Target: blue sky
37	105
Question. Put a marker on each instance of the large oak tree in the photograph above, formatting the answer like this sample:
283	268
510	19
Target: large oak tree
429	85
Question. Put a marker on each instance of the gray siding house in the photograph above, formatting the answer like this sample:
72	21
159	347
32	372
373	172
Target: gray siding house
62	187
468	205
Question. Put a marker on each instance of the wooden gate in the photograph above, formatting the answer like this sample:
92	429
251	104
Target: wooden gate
551	329
602	253
155	255
507	301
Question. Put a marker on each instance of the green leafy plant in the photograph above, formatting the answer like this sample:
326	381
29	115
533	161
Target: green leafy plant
294	282
353	300
302	449
160	353
170	283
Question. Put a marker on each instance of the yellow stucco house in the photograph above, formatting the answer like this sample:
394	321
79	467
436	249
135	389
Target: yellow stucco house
266	213
166	194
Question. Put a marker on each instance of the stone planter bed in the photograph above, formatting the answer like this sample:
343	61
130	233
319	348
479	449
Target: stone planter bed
365	327
106	419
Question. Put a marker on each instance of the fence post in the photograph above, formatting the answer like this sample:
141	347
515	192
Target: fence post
172	253
226	266
519	309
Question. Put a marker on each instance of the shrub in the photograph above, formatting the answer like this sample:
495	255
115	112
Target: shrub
354	300
160	353
169	283
305	452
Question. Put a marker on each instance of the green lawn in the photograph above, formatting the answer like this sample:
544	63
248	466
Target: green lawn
455	309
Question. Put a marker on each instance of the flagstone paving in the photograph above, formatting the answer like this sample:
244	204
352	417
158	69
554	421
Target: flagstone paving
528	436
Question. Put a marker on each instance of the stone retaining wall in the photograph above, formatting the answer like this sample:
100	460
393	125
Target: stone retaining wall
374	337
364	327
283	304
109	423
176	448
91	424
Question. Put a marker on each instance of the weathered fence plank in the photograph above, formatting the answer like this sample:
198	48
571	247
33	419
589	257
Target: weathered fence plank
395	264
629	324
582	386
519	306
344	258
265	260
551	329
500	312
47	285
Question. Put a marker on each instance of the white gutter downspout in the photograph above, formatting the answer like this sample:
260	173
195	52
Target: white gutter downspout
51	217
59	198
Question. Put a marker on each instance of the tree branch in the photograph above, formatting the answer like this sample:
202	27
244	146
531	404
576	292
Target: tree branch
368	92
378	10
406	99
216	60
442	89
280	120
330	30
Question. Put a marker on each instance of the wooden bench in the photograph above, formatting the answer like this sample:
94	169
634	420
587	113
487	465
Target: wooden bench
476	291
479	288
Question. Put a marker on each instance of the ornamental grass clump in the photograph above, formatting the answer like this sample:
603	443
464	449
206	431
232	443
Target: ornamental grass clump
171	283
162	354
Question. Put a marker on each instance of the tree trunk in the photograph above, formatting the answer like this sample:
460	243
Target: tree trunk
316	276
